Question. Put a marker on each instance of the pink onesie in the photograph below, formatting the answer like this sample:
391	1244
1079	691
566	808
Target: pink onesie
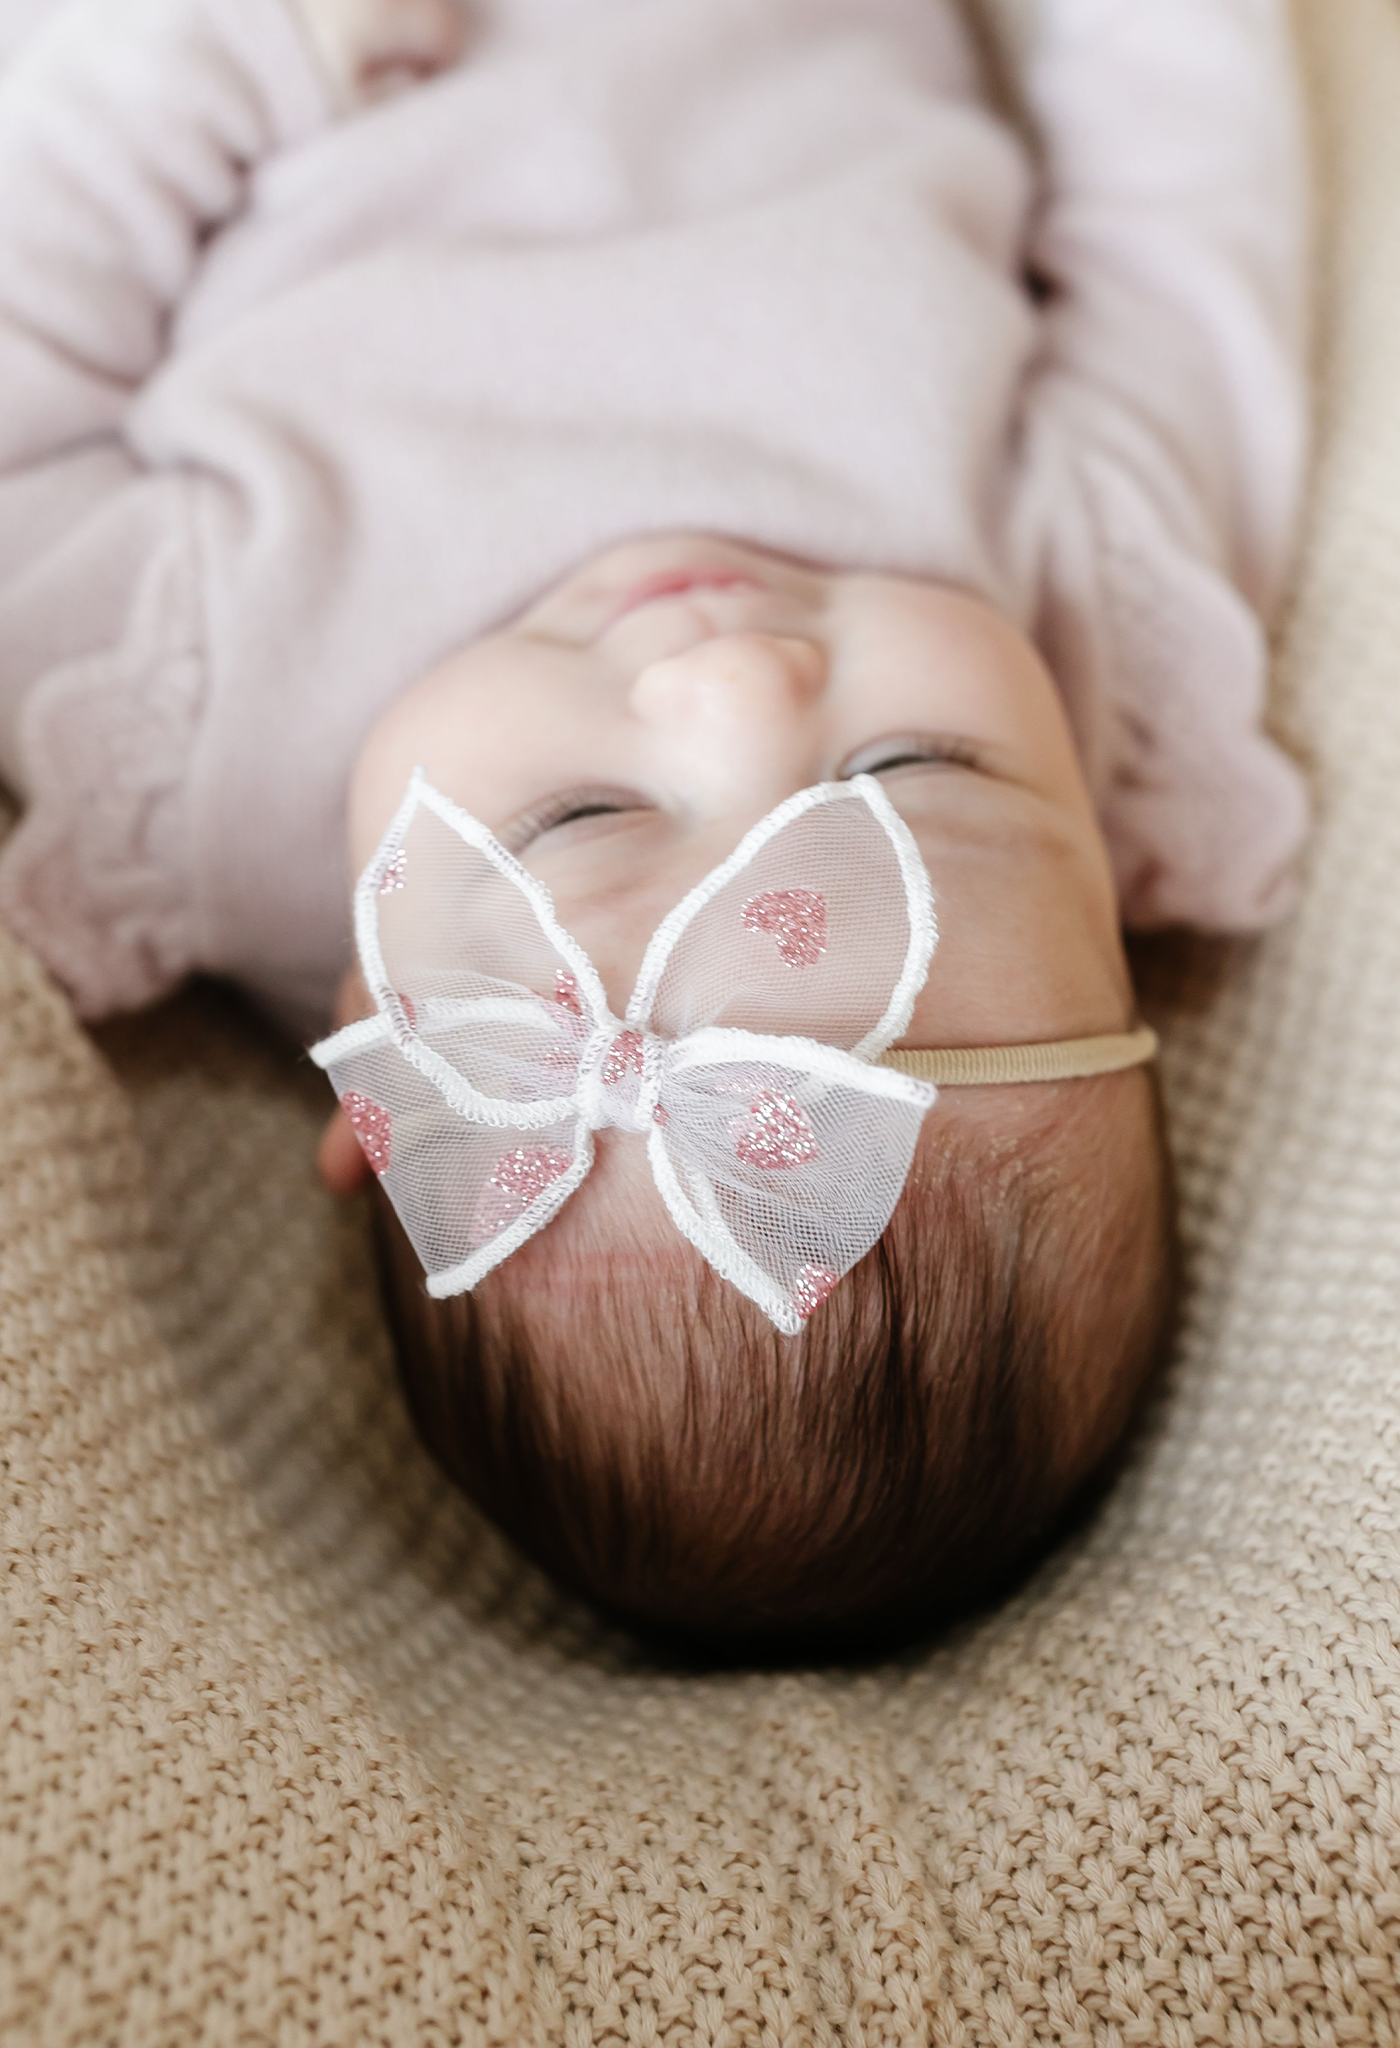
290	406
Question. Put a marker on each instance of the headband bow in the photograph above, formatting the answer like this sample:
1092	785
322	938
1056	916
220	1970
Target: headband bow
746	1056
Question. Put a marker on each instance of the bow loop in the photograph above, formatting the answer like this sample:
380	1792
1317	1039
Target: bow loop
821	920
444	916
468	1193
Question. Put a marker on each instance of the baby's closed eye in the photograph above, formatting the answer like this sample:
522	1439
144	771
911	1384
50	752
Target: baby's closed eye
879	757
914	750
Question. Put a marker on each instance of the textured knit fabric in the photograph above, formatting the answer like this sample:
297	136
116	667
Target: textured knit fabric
291	407
293	1751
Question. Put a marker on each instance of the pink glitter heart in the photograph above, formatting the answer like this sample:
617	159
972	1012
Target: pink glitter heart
814	1283
794	918
520	1177
371	1126
777	1135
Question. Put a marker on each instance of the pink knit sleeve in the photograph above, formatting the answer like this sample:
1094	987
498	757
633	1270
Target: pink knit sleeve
127	132
1165	432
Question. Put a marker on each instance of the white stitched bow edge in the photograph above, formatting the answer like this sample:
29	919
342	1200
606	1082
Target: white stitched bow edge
745	1056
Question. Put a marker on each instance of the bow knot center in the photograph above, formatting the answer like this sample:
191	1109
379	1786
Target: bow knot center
619	1086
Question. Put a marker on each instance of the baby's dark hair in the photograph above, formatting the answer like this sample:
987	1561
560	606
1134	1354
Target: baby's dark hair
652	1441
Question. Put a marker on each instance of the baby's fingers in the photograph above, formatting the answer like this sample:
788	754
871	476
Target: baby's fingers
343	1166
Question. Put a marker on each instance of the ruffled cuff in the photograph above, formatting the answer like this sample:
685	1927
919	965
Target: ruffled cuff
96	879
1204	814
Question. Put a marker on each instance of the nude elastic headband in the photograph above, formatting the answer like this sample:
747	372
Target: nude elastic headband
1063	1059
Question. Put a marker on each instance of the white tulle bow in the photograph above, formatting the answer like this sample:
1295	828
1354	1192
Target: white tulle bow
745	1058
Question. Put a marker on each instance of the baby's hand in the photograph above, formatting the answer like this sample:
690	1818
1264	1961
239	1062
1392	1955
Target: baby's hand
342	1164
371	49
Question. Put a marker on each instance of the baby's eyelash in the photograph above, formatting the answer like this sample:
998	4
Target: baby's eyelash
565	809
914	752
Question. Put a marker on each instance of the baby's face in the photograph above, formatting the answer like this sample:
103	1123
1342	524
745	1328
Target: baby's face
624	733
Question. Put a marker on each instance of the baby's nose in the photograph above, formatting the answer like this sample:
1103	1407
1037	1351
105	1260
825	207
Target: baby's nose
731	688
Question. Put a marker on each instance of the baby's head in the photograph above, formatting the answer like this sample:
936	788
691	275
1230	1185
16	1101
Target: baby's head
626	1414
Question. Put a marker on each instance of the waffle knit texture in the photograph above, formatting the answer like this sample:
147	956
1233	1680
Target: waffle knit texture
294	1751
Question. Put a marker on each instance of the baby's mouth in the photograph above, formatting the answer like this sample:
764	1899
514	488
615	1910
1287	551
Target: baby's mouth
677	583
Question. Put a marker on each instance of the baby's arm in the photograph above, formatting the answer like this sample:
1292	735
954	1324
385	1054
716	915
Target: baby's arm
127	134
129	130
1166	426
1173	237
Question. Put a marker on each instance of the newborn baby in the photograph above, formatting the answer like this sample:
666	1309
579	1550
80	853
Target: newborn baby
1004	449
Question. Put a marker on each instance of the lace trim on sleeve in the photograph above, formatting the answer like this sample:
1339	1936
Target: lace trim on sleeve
1204	812
97	877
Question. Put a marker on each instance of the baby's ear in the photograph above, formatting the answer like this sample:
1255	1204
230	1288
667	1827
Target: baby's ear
340	1160
352	1000
372	49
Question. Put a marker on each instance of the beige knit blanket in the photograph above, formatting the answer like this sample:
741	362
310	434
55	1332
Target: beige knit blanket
295	1751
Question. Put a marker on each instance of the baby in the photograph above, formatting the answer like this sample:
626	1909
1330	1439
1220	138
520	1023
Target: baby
901	464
